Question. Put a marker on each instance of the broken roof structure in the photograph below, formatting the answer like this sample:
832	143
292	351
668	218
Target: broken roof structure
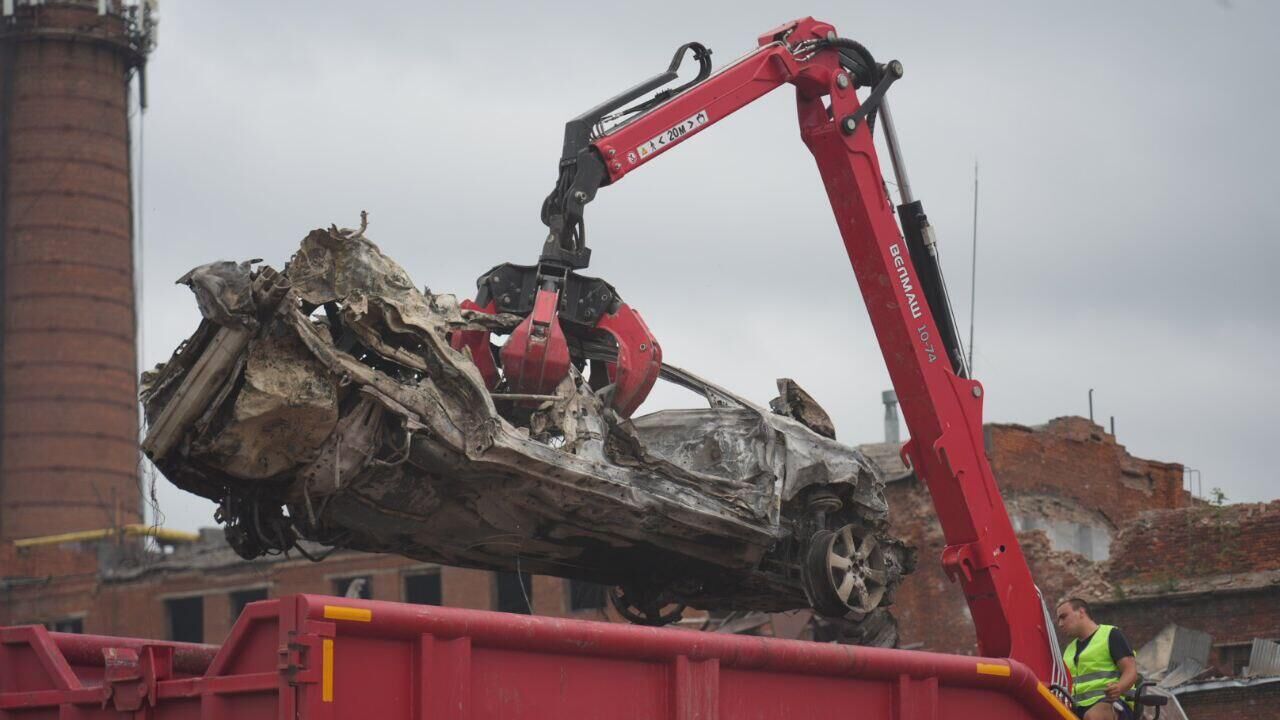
324	403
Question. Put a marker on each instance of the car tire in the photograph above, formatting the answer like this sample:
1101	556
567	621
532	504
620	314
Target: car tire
845	572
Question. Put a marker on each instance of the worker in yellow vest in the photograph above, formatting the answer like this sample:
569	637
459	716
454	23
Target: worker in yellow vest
1101	664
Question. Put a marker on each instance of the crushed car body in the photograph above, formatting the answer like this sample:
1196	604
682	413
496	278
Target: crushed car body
324	403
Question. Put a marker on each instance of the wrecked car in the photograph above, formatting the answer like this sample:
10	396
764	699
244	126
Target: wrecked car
325	403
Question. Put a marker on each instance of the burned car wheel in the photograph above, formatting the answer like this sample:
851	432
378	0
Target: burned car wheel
645	607
845	572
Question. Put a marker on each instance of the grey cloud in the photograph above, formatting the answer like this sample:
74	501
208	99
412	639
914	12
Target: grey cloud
1128	222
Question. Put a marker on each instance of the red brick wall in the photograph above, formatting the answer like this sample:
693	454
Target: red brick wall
1199	542
38	600
931	611
1074	459
137	607
46	560
1252	703
1213	569
471	589
1070	459
1230	617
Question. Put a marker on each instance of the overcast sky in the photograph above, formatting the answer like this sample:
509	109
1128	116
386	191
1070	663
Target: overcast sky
1128	225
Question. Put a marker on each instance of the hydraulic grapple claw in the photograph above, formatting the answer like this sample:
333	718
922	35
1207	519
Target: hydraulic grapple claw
536	356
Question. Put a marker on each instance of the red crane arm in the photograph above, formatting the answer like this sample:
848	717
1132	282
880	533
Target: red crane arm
943	410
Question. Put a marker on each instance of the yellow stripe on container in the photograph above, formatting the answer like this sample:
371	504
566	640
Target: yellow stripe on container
338	612
992	669
326	671
1053	700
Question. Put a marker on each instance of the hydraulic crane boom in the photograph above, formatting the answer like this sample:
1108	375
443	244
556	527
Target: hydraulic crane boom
898	276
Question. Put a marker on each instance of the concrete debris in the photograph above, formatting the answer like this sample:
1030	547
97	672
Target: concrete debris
1185	671
1178	656
1174	652
325	404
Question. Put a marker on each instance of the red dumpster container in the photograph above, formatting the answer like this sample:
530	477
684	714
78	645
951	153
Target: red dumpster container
309	657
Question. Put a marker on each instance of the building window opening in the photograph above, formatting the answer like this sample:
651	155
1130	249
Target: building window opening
424	589
1234	656
515	593
66	625
586	596
240	598
360	587
186	619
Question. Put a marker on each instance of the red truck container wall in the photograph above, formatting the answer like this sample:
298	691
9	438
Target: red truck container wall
321	658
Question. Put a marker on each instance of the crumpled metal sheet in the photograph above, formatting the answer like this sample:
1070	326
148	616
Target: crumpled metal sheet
223	292
374	434
282	414
794	402
767	458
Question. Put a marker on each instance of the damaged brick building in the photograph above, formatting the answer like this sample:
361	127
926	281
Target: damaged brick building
194	591
1212	567
1214	573
1069	488
1120	531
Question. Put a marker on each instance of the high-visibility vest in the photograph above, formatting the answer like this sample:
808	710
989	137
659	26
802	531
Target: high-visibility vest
1094	670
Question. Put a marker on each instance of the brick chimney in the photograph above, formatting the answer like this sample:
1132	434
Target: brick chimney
890	399
68	361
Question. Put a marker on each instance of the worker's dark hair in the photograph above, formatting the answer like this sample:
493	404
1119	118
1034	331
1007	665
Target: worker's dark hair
1076	604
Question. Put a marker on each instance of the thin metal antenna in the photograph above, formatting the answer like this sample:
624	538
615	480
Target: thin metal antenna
973	272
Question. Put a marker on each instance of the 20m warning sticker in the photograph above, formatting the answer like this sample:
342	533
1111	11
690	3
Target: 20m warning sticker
672	136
